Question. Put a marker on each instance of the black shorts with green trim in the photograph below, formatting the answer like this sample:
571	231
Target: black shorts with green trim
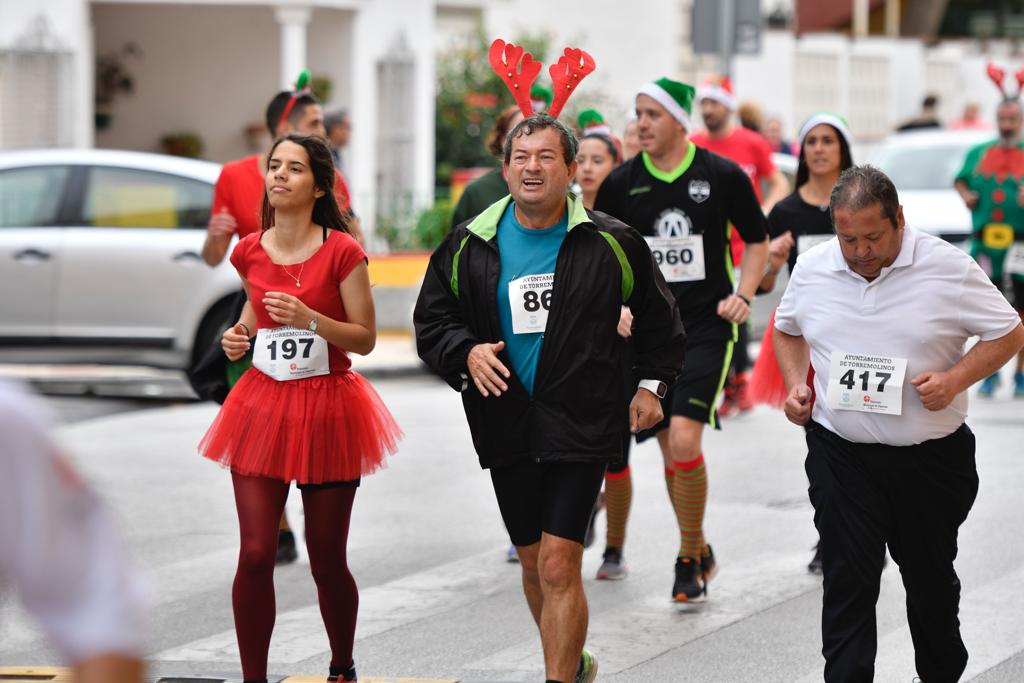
695	394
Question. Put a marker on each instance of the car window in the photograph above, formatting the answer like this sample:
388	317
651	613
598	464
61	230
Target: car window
132	198
923	168
30	197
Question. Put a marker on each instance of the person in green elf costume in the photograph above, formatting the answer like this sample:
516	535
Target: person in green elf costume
991	184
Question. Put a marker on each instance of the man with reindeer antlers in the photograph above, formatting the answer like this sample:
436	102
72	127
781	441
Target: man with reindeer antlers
518	311
991	184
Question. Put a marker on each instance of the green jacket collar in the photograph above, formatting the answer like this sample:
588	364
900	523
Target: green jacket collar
485	225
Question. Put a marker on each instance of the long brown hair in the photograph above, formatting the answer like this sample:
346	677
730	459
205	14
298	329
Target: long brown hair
326	211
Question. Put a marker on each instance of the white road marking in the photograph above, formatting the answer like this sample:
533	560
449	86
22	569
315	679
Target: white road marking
299	633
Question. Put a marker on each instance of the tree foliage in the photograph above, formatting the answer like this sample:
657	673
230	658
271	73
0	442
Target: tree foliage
469	98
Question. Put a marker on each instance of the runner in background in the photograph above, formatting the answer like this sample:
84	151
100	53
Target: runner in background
751	151
490	187
991	184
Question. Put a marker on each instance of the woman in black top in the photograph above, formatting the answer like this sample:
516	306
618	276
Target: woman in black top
824	154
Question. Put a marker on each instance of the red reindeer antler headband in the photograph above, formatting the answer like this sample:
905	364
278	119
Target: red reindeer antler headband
572	67
998	75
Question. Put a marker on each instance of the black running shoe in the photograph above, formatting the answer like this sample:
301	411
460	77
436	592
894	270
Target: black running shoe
286	552
689	585
708	565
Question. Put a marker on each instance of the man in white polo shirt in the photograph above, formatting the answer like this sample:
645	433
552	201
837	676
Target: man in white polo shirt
883	314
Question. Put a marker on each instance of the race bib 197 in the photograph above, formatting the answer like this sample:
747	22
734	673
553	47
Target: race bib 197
530	300
866	383
681	259
1015	259
287	353
805	242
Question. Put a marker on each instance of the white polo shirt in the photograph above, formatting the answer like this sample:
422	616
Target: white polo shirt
923	308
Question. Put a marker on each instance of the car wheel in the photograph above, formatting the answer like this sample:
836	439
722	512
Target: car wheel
220	316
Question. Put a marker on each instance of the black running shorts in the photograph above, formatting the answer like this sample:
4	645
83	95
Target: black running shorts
553	498
695	394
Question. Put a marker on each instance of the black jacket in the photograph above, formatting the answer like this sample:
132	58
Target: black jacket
579	408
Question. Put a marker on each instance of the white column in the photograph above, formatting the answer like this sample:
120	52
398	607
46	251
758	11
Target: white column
293	21
860	18
892	18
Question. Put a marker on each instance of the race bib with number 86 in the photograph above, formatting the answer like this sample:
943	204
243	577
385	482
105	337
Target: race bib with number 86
287	353
530	300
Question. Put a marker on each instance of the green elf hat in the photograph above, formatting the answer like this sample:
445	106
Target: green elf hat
591	122
540	98
676	97
834	120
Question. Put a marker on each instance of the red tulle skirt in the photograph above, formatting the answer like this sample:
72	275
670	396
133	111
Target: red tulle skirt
766	382
312	431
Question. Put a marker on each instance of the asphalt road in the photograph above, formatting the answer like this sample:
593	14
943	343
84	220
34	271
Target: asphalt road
439	601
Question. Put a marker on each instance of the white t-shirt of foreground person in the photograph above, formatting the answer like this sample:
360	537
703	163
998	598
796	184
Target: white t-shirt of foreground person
61	554
883	314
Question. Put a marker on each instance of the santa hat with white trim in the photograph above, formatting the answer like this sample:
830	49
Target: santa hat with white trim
591	122
719	89
834	120
676	97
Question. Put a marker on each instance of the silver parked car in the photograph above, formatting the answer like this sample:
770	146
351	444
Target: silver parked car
923	165
102	248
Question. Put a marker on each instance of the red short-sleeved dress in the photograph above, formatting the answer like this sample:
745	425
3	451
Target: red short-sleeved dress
314	430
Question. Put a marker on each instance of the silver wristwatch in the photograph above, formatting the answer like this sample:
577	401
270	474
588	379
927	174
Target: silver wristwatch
655	386
312	324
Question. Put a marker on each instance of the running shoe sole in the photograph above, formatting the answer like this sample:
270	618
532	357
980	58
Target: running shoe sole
603	575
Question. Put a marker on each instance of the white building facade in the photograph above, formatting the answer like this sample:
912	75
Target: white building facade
209	67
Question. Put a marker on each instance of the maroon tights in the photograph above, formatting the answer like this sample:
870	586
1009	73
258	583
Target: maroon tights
260	502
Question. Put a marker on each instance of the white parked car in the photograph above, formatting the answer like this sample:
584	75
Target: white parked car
923	165
102	248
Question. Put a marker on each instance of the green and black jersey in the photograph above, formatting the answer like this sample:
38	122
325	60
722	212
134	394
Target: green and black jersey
687	216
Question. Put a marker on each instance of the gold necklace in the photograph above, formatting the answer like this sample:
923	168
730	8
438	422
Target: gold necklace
296	278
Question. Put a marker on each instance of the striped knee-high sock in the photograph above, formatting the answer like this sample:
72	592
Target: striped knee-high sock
689	496
618	495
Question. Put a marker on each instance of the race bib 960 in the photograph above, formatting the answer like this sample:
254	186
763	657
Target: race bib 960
681	259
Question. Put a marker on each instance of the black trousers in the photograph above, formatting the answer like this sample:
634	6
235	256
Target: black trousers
914	499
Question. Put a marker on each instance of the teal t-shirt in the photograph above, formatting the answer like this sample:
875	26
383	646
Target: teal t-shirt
528	259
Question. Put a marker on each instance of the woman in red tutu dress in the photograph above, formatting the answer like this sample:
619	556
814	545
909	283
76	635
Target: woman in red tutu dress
299	414
796	224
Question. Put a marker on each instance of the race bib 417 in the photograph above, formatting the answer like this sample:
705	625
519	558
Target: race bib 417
866	383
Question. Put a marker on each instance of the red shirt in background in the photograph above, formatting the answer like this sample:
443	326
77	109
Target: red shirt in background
240	188
752	153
